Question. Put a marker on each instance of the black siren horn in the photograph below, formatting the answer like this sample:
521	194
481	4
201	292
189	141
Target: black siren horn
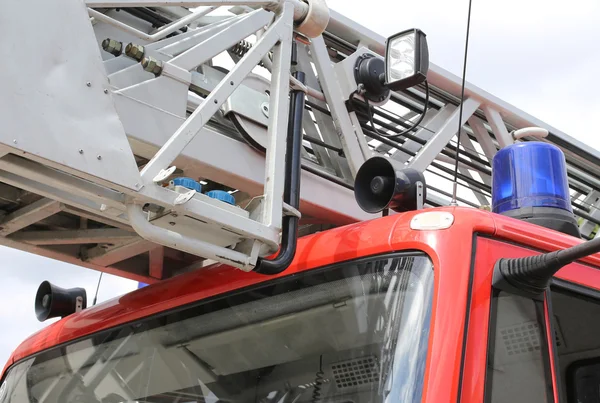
52	301
382	183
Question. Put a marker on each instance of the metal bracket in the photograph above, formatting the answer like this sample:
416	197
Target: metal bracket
420	198
78	303
184	197
291	211
164	174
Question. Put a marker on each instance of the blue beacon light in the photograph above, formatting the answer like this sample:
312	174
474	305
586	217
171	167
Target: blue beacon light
529	182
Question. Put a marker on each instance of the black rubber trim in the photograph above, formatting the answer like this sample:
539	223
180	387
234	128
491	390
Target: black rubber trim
467	317
576	290
553	348
539	305
487	388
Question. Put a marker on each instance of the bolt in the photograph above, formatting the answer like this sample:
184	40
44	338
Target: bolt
152	65
172	223
265	108
99	157
135	51
174	215
80	151
113	47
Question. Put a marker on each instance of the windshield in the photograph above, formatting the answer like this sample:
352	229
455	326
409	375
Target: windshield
355	332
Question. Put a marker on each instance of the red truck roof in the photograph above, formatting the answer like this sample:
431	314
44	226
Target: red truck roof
317	250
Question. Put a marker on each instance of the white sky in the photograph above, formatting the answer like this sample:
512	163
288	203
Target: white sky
541	56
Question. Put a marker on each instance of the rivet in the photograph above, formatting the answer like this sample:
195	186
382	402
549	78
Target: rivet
99	157
172	223
174	215
80	151
15	141
216	101
106	91
88	84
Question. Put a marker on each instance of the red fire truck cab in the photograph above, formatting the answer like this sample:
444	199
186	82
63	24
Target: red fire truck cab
397	309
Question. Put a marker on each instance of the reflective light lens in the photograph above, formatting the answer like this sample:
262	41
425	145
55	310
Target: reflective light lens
530	174
406	60
401	57
432	220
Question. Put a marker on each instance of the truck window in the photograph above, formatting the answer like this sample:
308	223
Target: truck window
576	314
356	332
518	358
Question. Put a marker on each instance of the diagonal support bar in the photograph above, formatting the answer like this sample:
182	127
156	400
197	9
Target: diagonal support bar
188	130
483	137
28	215
222	40
122	251
336	102
74	237
498	127
426	132
437	143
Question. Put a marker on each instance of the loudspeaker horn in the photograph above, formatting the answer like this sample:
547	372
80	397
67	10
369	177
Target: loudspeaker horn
52	301
382	183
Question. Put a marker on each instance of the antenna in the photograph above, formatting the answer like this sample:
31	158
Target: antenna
462	99
97	288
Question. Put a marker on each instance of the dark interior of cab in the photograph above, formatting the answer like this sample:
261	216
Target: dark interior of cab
518	366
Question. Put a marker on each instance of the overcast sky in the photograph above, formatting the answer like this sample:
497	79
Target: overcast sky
541	56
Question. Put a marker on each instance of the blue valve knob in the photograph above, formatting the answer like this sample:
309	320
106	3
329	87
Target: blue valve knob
188	183
222	196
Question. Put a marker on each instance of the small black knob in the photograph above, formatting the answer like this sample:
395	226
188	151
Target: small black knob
379	184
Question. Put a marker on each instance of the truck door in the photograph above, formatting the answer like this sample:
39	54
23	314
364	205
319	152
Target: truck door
574	309
508	355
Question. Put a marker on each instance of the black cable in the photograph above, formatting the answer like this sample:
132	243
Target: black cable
319	377
323	144
407	130
418	122
370	113
97	288
462	100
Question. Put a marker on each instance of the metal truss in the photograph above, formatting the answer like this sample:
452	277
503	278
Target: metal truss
147	91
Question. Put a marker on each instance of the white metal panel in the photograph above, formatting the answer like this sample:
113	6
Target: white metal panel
54	102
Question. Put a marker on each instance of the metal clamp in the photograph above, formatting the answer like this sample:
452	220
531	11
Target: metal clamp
289	211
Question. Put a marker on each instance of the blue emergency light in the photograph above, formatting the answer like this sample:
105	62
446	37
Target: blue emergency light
529	182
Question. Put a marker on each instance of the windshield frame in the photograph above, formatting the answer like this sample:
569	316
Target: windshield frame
209	302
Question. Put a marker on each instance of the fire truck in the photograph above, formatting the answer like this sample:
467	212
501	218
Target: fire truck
321	214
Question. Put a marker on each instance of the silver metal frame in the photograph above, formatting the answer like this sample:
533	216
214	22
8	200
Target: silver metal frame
75	200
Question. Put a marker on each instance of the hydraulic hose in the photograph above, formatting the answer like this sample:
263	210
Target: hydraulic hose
291	193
